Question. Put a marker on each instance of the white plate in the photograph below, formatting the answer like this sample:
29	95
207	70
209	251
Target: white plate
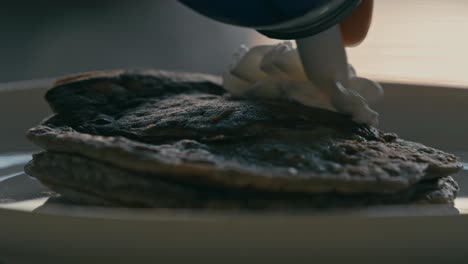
431	115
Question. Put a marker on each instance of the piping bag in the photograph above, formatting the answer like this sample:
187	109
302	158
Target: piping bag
314	25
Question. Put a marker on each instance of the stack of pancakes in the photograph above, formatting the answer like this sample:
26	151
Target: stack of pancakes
174	140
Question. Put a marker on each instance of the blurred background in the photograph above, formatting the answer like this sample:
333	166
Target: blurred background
422	41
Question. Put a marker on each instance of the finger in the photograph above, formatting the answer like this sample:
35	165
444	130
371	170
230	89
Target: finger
355	27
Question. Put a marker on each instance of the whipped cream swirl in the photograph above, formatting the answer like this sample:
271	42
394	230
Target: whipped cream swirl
276	72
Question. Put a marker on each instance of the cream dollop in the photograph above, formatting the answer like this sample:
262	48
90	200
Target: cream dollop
276	72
